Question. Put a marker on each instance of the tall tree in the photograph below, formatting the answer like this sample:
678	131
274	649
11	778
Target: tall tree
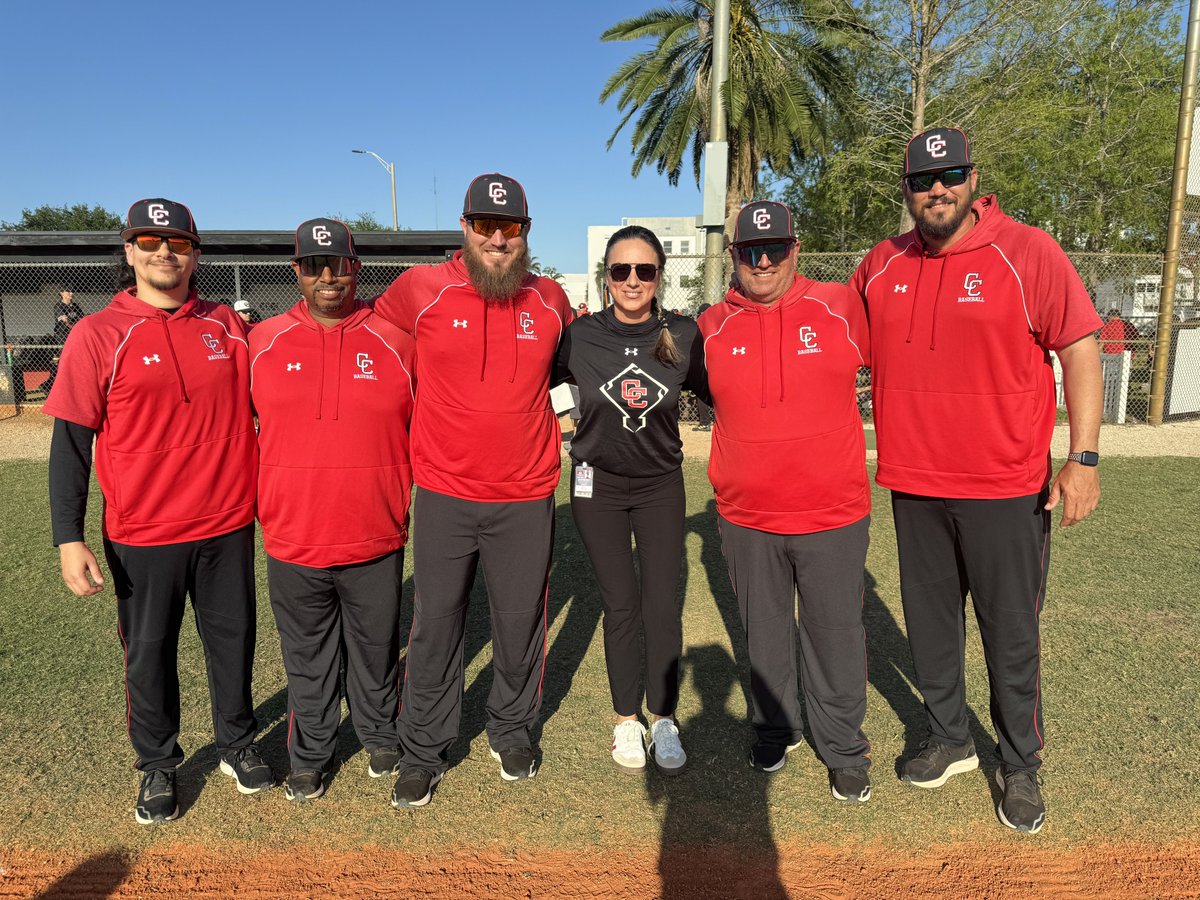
784	73
79	217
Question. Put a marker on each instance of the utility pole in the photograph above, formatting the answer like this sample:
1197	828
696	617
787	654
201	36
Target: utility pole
1183	148
716	161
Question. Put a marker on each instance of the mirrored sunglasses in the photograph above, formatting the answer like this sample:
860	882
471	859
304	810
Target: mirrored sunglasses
149	243
487	227
919	184
750	254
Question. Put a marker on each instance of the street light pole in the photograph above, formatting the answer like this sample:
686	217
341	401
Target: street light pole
391	170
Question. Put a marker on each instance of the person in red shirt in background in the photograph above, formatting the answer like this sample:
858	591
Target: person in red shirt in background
963	310
485	445
160	379
788	468
333	387
1115	333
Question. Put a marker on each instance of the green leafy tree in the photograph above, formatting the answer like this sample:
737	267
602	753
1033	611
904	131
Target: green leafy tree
364	221
784	76
79	217
550	272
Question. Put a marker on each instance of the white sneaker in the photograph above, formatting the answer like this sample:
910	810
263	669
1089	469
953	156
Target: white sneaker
665	747
629	746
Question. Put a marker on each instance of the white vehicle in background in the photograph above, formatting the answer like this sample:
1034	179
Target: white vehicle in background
1137	298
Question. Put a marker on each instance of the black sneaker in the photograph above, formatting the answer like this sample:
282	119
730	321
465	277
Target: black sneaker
515	762
934	765
248	769
384	761
414	788
770	757
304	785
156	801
852	784
1021	807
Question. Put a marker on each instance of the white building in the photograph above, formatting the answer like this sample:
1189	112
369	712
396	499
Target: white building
683	240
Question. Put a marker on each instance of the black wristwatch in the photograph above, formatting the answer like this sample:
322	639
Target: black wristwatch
1085	457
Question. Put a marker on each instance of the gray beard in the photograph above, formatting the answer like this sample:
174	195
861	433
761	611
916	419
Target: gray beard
498	287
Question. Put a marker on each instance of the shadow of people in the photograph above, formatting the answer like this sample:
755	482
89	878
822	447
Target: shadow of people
890	671
95	877
716	832
712	564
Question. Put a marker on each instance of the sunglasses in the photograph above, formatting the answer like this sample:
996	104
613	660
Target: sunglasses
645	271
312	266
919	184
150	243
487	227
775	252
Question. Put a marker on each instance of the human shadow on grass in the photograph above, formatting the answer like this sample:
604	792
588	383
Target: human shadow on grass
716	832
95	877
890	671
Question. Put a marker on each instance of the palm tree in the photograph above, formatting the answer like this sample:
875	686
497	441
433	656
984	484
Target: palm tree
784	72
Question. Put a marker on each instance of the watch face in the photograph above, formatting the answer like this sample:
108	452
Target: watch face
1087	458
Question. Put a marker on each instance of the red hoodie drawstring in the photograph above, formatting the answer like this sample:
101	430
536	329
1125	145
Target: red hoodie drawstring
512	307
483	361
912	314
762	353
183	395
321	379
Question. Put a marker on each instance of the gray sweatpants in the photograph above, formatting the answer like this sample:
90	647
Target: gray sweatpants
450	538
826	568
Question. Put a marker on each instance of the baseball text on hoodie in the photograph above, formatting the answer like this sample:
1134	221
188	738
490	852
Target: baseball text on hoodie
483	428
964	400
168	394
788	454
333	407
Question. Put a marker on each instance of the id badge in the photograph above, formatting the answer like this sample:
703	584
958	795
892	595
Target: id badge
583	480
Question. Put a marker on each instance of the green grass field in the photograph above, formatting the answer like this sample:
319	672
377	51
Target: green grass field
1119	679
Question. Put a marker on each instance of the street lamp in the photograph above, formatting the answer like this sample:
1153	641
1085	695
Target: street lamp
391	170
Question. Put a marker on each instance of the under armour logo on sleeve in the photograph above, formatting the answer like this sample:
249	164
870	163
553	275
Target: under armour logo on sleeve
739	351
293	367
151	359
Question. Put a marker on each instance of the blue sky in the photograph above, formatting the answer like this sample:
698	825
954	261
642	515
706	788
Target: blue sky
248	112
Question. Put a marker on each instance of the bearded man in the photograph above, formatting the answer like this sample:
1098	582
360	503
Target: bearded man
485	454
964	311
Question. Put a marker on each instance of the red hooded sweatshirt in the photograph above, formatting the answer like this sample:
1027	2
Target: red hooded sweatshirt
333	411
168	393
483	428
963	386
787	453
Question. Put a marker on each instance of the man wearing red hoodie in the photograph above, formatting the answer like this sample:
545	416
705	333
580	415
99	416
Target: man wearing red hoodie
160	380
485	446
964	310
789	472
333	387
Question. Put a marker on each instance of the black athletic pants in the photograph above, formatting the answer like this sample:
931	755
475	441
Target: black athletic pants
320	611
152	585
451	537
826	568
999	551
652	509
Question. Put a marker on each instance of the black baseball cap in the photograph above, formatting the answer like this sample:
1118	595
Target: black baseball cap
761	221
324	237
496	196
935	150
157	215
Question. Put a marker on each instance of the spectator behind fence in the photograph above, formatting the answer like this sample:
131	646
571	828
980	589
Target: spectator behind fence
66	313
1116	333
963	310
247	312
630	363
160	379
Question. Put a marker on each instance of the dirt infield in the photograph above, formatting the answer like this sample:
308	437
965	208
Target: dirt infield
956	871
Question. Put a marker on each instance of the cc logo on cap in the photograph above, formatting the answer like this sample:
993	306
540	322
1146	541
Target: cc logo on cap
158	214
497	192
762	219
935	144
321	235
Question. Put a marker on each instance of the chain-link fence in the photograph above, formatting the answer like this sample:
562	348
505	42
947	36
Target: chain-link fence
1125	289
34	304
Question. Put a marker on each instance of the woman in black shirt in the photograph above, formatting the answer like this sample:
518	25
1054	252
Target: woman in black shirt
630	362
